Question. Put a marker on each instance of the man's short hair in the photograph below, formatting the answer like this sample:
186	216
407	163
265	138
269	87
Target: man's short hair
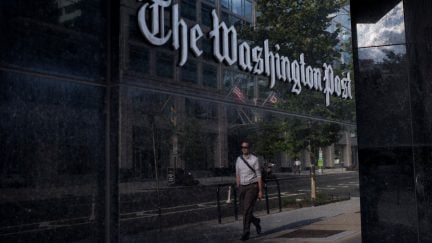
244	141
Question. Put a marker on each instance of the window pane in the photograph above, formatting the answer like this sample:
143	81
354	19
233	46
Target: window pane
188	9
57	37
52	134
207	48
225	4
189	72
237	7
206	18
248	10
226	18
134	32
201	109
238	85
138	60
209	76
237	22
263	89
165	64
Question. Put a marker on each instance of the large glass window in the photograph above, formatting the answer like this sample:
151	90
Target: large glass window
210	75
52	130
60	38
168	134
239	85
139	59
182	142
225	4
188	9
237	7
165	64
248	10
206	18
53	149
189	72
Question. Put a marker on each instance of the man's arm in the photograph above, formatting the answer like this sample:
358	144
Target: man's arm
237	174
260	182
260	194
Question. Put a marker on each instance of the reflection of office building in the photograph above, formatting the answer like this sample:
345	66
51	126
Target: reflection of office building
191	133
205	132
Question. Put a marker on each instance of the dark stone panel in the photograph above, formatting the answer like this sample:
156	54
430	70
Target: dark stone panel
423	180
418	15
418	19
58	37
52	147
383	99
112	175
370	11
388	203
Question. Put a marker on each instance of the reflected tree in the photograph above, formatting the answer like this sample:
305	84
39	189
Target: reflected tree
293	137
192	144
301	27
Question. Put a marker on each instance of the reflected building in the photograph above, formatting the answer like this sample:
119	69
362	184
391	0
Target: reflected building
195	132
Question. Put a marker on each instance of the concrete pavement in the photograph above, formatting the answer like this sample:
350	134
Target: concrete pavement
335	222
343	227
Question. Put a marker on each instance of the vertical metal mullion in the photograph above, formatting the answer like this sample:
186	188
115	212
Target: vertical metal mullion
112	101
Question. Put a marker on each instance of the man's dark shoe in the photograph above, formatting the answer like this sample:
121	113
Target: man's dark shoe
245	237
258	226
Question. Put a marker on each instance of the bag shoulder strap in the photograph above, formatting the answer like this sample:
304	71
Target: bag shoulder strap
248	165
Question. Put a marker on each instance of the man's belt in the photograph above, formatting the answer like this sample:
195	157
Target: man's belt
251	184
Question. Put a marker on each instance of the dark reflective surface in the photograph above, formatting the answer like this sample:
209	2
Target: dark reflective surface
57	37
52	129
388	202
52	135
175	150
180	126
388	199
394	124
327	42
419	28
88	152
383	76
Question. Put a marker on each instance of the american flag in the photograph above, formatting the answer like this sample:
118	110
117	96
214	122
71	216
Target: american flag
273	99
239	94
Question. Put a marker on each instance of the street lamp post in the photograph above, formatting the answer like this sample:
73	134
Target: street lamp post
312	179
312	169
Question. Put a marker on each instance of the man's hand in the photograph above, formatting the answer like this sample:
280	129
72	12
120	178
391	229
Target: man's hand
260	195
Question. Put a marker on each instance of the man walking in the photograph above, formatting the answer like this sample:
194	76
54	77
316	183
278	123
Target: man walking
297	164
248	180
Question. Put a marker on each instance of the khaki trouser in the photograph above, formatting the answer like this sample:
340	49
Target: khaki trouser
248	198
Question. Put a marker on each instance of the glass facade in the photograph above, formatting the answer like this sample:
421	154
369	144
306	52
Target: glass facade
162	134
52	82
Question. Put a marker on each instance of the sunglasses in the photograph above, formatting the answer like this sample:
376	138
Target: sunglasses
244	147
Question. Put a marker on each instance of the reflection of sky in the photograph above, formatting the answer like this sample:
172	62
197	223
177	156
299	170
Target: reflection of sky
387	31
342	18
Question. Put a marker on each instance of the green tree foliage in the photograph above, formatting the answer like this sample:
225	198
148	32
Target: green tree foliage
301	26
298	27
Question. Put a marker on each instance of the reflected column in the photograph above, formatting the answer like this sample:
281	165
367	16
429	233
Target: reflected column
418	22
221	153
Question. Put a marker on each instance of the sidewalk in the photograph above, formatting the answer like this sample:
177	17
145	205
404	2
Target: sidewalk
336	222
